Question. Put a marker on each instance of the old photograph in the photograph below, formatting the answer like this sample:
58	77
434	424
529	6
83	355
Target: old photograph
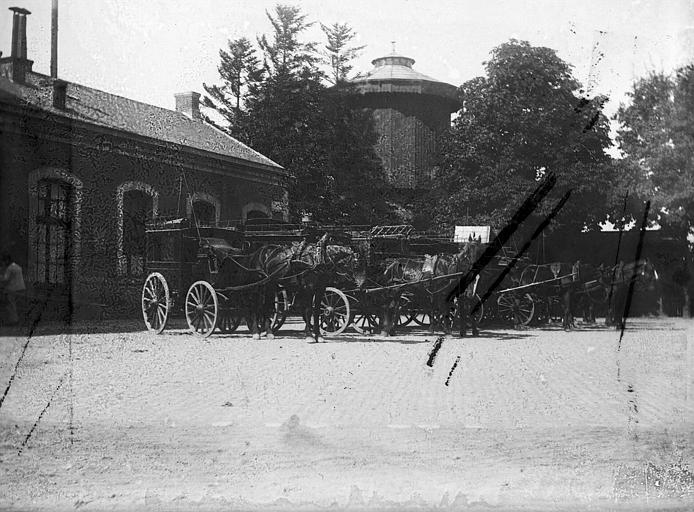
347	255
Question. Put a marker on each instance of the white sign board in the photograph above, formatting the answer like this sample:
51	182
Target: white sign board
463	233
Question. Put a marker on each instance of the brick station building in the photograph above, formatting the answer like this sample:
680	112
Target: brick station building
82	171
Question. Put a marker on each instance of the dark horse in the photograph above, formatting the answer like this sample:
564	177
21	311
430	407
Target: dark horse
431	288
377	291
305	270
640	276
558	280
458	265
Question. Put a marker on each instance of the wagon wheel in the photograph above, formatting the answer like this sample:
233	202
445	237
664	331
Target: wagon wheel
479	314
422	319
528	275
202	308
334	312
366	323
229	319
156	302
405	314
525	308
281	310
445	319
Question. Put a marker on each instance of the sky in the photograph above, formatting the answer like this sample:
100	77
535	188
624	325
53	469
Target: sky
150	50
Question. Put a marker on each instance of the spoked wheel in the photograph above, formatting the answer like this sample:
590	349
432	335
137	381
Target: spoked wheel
202	308
228	322
445	319
334	312
479	314
405	314
281	310
421	319
366	323
229	319
156	302
525	307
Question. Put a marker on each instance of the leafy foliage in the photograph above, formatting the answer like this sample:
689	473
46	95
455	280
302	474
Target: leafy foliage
288	113
657	138
523	119
283	52
337	53
239	68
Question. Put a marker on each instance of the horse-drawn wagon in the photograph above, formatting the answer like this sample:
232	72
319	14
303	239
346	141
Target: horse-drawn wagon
199	272
219	276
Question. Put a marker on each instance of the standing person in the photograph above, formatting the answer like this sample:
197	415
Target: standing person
12	285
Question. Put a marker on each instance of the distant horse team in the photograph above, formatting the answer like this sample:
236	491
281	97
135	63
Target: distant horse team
260	286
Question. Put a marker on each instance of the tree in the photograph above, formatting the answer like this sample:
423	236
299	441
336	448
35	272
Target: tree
337	53
525	118
291	116
238	69
657	139
284	52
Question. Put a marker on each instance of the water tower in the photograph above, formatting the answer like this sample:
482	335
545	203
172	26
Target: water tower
409	109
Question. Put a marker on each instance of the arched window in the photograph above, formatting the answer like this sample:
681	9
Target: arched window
256	214
136	204
137	211
53	231
204	213
254	211
55	198
204	208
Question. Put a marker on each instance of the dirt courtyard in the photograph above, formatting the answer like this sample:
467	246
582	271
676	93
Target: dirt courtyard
107	416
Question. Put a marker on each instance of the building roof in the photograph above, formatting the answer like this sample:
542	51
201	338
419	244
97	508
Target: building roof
394	67
112	111
394	74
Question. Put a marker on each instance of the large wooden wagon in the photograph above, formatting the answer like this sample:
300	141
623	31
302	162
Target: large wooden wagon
383	246
183	264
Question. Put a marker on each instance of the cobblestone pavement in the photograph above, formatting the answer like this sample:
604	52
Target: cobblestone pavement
540	419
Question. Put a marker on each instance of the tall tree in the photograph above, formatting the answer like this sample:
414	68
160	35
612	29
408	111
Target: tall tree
657	139
290	115
238	69
338	54
284	51
525	118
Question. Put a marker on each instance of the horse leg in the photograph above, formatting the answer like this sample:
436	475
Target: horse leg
269	309
568	319
385	320
387	312
469	315
317	296
432	316
253	322
591	312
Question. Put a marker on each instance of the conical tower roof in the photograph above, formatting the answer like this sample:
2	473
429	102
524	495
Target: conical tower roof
393	73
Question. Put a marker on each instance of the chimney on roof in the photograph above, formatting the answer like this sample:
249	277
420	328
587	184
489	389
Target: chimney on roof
59	94
188	103
16	65
54	39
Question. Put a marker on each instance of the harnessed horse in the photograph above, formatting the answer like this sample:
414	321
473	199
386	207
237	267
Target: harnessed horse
434	288
307	269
